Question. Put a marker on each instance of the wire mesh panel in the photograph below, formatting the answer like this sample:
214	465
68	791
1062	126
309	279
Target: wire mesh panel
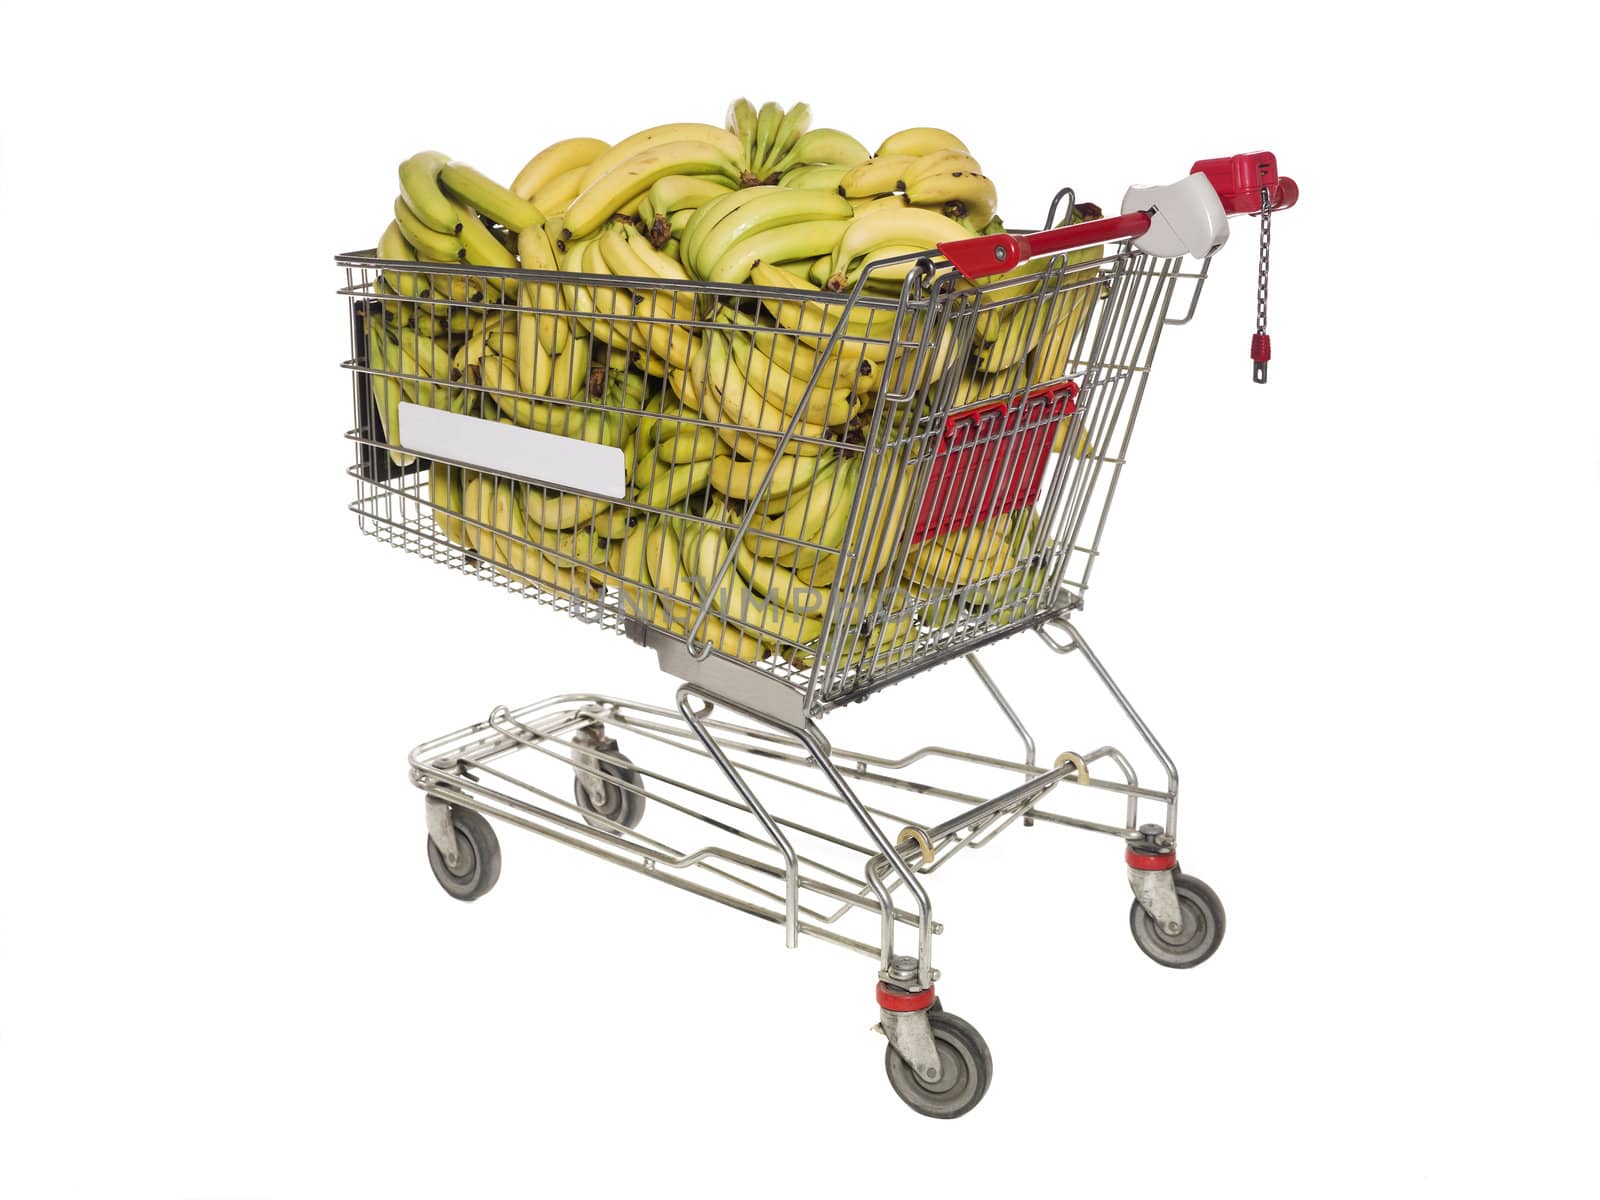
830	489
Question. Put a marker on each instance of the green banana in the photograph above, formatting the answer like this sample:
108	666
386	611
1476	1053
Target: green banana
419	185
429	242
772	207
741	121
802	239
392	244
482	248
790	128
482	194
831	146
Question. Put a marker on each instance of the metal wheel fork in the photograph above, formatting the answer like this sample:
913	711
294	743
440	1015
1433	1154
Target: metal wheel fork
903	1019
1152	864
442	832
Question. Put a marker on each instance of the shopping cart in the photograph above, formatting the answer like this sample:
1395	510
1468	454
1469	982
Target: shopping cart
796	497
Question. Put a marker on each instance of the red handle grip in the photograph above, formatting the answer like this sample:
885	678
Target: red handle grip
979	256
1238	182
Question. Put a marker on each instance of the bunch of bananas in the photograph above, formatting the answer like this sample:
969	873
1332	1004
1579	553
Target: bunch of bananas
731	410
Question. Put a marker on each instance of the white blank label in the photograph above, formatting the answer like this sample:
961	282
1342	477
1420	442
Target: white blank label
570	464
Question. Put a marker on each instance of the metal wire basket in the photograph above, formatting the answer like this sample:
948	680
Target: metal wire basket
919	411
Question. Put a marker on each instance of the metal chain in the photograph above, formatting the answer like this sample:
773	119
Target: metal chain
1266	246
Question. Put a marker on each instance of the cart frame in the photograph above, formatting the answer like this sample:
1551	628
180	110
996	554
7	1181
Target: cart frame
753	725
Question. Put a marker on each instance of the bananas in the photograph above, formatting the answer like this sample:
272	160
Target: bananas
877	176
428	242
823	147
759	509
871	231
569	154
477	190
631	178
419	188
957	194
725	143
920	140
761	209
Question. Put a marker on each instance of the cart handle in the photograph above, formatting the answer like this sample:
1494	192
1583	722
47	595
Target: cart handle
1238	184
997	252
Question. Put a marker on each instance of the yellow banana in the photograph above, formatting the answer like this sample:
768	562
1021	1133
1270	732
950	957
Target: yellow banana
904	226
664	485
482	248
556	195
940	162
675	194
545	322
748	418
684	442
959	195
781	585
868	204
726	144
816	320
800	520
819	175
827	406
632	177
445	495
920	140
875	177
392	244
741	479
732	596
556	159
387	394
829	537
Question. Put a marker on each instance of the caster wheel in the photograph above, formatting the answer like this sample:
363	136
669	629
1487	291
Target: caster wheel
965	1065
618	795
1204	923
480	849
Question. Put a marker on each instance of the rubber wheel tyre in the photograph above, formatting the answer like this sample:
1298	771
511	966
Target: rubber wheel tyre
1204	923
480	868
617	796
965	1064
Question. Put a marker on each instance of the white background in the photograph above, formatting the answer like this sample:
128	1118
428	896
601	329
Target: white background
1357	604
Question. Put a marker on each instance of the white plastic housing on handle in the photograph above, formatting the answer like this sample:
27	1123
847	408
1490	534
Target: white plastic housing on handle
1185	218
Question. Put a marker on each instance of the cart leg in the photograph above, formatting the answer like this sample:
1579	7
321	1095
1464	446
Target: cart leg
696	720
442	832
1082	647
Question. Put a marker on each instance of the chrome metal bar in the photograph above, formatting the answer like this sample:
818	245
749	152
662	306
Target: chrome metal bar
1005	707
1138	723
791	870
